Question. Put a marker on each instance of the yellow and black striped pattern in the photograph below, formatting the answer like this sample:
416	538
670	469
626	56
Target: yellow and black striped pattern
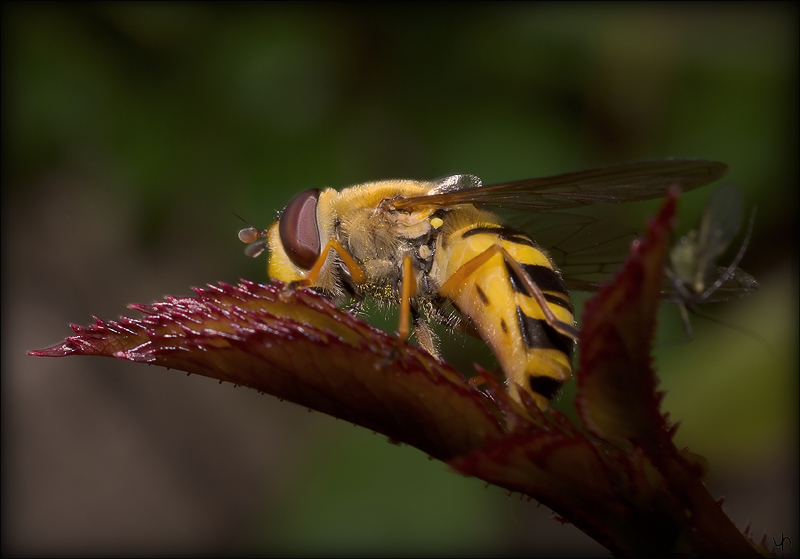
532	354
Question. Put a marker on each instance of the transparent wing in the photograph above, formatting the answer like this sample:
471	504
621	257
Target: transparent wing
737	283
630	182
720	222
587	250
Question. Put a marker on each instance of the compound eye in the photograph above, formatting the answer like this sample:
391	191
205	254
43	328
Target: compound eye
298	229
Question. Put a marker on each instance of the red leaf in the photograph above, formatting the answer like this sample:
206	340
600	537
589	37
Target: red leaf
616	396
636	498
299	347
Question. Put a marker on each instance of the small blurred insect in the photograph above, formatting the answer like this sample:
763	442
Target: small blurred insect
434	249
691	270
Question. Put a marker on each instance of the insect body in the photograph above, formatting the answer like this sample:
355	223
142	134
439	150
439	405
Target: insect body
691	269
426	245
514	297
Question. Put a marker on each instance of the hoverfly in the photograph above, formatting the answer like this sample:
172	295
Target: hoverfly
427	245
691	270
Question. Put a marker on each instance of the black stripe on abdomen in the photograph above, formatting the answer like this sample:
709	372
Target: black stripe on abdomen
556	300
544	385
545	278
538	334
505	233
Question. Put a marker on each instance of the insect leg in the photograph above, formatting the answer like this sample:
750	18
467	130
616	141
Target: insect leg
687	298
729	271
352	266
408	290
355	307
687	324
693	309
536	294
532	289
425	336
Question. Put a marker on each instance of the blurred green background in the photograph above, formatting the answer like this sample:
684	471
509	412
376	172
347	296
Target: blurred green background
131	132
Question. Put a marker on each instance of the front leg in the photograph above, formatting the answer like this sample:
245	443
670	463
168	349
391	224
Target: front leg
356	273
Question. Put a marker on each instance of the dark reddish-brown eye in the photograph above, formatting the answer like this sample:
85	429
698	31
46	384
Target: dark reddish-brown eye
298	229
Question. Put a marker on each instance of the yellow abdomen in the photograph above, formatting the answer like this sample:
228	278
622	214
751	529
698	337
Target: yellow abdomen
531	353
